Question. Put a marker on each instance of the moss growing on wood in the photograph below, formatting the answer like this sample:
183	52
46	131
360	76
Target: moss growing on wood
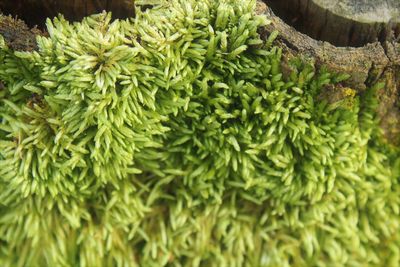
173	139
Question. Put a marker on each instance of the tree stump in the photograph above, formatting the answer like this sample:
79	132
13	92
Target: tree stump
348	36
342	22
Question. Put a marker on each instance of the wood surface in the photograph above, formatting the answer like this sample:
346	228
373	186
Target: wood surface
342	22
376	61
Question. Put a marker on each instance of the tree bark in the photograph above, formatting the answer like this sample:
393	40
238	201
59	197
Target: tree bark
342	22
17	34
374	62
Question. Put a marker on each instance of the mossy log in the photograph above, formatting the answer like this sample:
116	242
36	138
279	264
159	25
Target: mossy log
364	33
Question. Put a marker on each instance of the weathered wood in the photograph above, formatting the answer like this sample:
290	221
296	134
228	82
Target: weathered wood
342	22
34	12
378	61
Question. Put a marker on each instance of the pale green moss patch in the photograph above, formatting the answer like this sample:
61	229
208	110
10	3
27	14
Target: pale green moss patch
173	139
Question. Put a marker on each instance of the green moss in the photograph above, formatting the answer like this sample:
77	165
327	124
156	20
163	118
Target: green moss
173	139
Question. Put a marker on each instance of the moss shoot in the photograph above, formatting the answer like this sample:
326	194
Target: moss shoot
174	139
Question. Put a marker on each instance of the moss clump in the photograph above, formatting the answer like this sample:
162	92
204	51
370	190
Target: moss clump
173	139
